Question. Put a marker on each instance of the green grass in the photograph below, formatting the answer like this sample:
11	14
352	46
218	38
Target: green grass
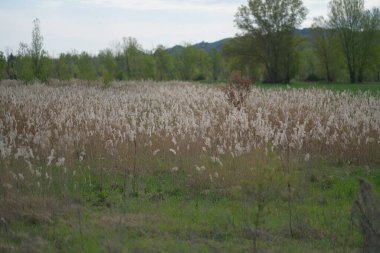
373	88
169	215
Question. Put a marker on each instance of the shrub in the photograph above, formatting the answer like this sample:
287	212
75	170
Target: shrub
238	89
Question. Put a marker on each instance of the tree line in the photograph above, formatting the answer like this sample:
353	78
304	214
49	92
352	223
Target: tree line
343	46
127	61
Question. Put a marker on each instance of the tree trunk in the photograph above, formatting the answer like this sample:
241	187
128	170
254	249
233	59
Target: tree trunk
361	75
352	75
366	210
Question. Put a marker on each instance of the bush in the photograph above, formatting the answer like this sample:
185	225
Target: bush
238	89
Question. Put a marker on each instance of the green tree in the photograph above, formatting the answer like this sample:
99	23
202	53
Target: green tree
374	65
356	29
271	23
23	64
308	69
217	66
325	48
10	68
86	67
240	55
193	64
148	66
164	64
132	62
186	63
37	53
203	66
132	57
3	63
32	62
107	65
63	70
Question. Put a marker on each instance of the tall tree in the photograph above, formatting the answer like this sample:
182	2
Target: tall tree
324	46
217	65
132	56
107	65
164	65
271	24
23	64
203	70
37	53
374	67
240	55
10	68
356	29
186	63
86	67
3	63
63	71
194	64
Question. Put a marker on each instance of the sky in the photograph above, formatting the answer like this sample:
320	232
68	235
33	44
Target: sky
93	25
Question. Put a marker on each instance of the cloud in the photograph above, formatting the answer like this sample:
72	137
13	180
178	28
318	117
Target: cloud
224	6
92	25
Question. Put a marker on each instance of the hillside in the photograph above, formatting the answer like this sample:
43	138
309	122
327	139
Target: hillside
209	46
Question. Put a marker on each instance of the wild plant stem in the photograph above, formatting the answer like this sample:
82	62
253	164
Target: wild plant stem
134	173
289	190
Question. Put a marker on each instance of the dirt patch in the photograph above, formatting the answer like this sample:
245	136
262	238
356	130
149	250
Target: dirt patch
29	208
132	220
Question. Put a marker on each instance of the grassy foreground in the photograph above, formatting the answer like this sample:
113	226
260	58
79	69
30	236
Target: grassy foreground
173	211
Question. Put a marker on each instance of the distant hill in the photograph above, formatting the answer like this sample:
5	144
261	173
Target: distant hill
209	46
305	32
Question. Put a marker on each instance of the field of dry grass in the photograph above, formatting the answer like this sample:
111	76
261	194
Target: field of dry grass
55	124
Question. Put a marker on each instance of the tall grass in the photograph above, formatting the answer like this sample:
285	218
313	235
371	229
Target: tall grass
62	124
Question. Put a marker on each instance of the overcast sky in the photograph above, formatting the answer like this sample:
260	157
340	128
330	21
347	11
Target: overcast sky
92	25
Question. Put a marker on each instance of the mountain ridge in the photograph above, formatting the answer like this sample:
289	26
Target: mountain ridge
209	46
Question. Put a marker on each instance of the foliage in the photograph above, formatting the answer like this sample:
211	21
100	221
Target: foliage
37	53
86	70
217	66
356	29
324	45
10	67
3	63
23	64
133	61
271	24
193	64
164	64
374	64
31	62
63	67
107	65
239	55
269	49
